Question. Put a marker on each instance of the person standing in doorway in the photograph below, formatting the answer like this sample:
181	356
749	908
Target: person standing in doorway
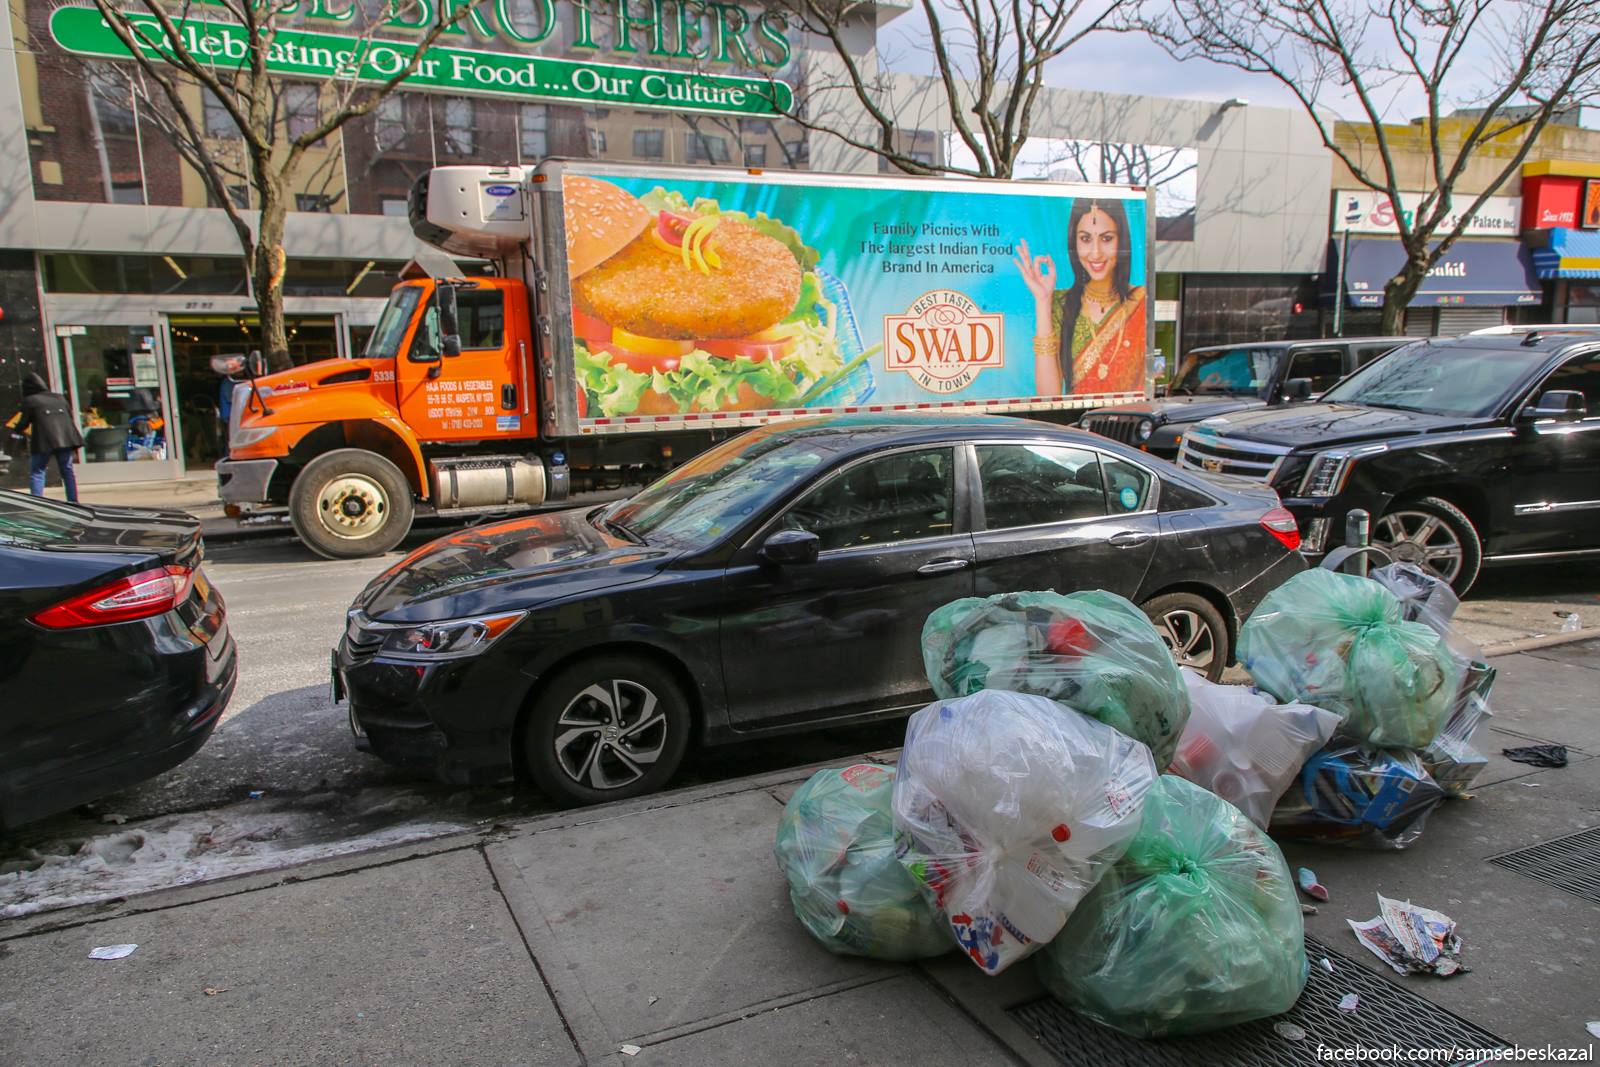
52	431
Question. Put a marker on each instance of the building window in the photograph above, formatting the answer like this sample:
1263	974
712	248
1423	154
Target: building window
216	119
707	148
534	121
755	155
301	104
925	158
317	202
649	144
459	135
390	128
597	142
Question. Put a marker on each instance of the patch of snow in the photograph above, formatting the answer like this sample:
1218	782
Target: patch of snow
175	850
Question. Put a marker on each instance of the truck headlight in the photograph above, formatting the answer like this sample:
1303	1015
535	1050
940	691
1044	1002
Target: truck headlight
245	436
1146	428
431	642
1329	470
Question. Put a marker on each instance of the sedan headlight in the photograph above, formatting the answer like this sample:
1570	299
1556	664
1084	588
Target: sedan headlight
246	436
1328	470
1146	428
431	642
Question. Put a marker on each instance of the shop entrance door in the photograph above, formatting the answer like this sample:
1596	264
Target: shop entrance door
117	379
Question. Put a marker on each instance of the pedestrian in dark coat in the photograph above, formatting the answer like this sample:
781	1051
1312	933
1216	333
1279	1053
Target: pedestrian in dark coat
53	432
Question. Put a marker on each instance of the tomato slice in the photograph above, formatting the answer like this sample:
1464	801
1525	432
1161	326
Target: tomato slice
671	225
589	328
642	362
755	351
651	346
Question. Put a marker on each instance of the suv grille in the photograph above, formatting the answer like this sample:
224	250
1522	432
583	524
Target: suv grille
1115	427
361	641
1205	450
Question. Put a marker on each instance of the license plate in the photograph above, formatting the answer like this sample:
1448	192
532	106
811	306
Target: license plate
335	679
201	586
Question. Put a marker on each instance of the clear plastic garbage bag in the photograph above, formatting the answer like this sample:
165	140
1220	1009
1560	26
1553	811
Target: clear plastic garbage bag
835	845
1093	651
1007	808
1338	641
1246	747
1196	928
1351	794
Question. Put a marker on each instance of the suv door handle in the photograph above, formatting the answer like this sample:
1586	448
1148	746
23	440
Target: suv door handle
1130	538
943	566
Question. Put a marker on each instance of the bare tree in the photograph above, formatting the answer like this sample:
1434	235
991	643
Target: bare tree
1512	66
272	123
988	57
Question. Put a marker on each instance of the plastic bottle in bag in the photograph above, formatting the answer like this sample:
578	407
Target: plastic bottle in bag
1007	809
835	846
1195	928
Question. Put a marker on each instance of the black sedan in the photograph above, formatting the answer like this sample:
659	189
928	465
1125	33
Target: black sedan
115	656
777	582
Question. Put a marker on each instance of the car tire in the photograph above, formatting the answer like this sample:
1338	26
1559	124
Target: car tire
350	503
1193	629
1412	529
590	727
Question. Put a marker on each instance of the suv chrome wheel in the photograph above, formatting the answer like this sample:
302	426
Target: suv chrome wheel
610	734
1420	538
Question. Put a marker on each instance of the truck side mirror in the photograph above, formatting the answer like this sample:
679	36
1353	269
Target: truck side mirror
449	320
1563	405
789	547
256	363
1297	389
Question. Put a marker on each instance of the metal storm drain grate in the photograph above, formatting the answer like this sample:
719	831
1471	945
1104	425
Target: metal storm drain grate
1571	863
1385	1015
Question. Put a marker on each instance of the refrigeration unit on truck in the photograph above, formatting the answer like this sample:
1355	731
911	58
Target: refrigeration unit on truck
633	316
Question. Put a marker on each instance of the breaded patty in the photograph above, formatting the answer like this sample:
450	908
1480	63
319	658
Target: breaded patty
647	290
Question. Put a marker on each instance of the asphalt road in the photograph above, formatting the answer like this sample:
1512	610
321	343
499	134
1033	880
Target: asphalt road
281	772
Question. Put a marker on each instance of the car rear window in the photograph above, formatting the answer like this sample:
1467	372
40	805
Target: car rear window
37	522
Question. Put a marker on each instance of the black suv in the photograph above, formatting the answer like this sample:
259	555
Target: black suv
1224	378
1466	450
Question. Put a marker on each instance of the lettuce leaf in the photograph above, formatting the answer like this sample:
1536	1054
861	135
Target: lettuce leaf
614	388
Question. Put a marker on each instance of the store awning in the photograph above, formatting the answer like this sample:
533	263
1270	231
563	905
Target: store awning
1487	273
1568	253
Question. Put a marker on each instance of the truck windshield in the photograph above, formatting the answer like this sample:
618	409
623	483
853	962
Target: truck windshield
1439	380
711	495
385	340
1228	372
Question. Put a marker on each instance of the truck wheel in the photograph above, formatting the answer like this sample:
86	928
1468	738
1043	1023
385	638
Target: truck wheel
1435	535
350	503
1193	629
606	728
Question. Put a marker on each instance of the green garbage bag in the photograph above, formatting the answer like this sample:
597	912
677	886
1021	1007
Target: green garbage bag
1339	642
1196	928
1093	651
835	845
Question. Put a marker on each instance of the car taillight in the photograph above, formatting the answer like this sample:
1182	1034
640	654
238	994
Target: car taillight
138	596
1280	524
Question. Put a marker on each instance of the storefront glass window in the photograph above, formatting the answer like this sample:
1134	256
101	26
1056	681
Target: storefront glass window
114	383
70	272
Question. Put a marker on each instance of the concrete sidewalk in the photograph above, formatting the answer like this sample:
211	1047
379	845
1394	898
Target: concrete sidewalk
664	924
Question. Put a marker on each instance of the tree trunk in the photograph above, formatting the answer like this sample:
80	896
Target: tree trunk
1399	290
269	270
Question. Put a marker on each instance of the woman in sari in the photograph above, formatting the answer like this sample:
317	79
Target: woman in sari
1089	338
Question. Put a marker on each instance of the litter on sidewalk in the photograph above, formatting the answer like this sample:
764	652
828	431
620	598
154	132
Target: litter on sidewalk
1411	939
112	952
1537	755
1306	879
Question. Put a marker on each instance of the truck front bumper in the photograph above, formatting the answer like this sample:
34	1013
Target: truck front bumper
244	481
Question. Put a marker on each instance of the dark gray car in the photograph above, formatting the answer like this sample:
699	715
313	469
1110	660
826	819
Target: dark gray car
778	582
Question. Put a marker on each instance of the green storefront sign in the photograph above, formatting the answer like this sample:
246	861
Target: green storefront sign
320	56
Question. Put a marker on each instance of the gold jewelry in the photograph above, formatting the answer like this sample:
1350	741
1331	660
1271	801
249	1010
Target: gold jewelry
1047	345
1100	292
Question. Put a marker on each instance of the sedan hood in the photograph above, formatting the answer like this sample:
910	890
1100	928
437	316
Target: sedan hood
1182	408
1325	425
505	566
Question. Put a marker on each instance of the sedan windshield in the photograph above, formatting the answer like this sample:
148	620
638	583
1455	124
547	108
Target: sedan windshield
385	340
702	500
1233	372
36	522
1438	380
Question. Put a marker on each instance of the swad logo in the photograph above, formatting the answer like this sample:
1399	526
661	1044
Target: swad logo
943	341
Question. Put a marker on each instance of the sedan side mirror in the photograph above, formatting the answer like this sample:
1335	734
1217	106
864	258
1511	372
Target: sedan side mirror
1563	405
1297	389
790	547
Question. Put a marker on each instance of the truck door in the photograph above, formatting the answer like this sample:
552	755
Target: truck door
481	394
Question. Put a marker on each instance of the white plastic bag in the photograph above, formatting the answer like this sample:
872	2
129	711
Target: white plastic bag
1244	746
1007	809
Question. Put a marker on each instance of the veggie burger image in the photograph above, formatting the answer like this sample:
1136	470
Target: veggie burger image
681	307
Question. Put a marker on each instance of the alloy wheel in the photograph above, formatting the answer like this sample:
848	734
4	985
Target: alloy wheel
610	734
1421	538
1190	639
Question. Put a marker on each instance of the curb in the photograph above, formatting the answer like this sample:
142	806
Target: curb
1529	644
